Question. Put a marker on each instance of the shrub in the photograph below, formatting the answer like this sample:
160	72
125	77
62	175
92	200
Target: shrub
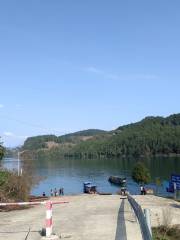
141	174
13	187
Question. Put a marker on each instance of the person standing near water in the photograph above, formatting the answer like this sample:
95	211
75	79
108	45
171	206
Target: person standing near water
55	192
142	190
60	192
51	193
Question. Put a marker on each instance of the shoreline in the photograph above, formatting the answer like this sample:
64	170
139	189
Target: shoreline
34	155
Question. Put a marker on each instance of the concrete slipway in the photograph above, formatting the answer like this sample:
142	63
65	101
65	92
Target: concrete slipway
85	217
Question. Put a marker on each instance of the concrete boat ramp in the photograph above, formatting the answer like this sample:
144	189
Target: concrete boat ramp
85	217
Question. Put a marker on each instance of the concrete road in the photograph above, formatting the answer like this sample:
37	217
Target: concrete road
163	211
86	217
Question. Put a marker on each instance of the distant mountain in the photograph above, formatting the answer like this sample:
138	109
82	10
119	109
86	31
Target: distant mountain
49	141
88	132
151	136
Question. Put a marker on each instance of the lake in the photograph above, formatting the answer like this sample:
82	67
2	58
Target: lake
71	173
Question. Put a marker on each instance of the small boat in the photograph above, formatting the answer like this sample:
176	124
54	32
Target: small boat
89	188
104	193
117	180
85	184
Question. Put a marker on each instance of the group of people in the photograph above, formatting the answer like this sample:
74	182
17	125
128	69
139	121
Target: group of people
56	192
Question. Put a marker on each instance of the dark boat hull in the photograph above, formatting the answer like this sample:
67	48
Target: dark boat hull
117	180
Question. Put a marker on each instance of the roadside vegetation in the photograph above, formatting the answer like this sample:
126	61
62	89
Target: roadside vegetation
14	188
165	230
164	233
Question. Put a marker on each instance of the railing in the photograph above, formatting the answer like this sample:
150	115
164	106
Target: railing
144	219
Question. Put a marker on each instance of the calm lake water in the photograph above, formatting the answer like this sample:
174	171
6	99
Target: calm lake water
71	173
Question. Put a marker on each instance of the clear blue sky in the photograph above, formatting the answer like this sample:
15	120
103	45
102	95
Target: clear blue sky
73	65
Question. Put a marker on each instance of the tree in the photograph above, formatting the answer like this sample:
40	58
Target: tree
140	173
2	150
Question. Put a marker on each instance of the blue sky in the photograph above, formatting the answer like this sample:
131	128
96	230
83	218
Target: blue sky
72	65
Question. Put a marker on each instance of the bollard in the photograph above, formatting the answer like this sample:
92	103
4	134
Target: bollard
148	219
48	218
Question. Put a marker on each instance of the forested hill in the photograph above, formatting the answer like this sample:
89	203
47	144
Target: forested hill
151	136
48	141
172	120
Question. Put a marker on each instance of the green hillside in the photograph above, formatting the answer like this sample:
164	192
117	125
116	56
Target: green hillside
41	142
38	142
151	136
80	135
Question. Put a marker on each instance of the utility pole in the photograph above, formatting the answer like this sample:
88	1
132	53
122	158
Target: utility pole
175	191
18	164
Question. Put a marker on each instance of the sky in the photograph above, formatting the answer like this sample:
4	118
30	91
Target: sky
71	65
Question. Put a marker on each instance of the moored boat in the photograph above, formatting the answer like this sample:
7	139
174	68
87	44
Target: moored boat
89	188
117	180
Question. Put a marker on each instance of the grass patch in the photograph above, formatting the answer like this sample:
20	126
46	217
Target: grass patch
13	208
166	233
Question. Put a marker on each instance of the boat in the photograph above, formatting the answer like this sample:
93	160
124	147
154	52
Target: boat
117	180
104	193
89	187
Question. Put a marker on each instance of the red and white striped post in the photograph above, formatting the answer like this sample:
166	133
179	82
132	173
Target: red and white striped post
48	218
48	212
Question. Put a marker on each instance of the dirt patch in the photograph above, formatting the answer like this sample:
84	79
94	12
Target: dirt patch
13	208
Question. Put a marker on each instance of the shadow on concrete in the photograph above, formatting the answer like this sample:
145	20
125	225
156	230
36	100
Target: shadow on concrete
175	205
121	227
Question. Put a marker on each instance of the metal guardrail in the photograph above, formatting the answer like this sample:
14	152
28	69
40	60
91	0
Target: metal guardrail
146	233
